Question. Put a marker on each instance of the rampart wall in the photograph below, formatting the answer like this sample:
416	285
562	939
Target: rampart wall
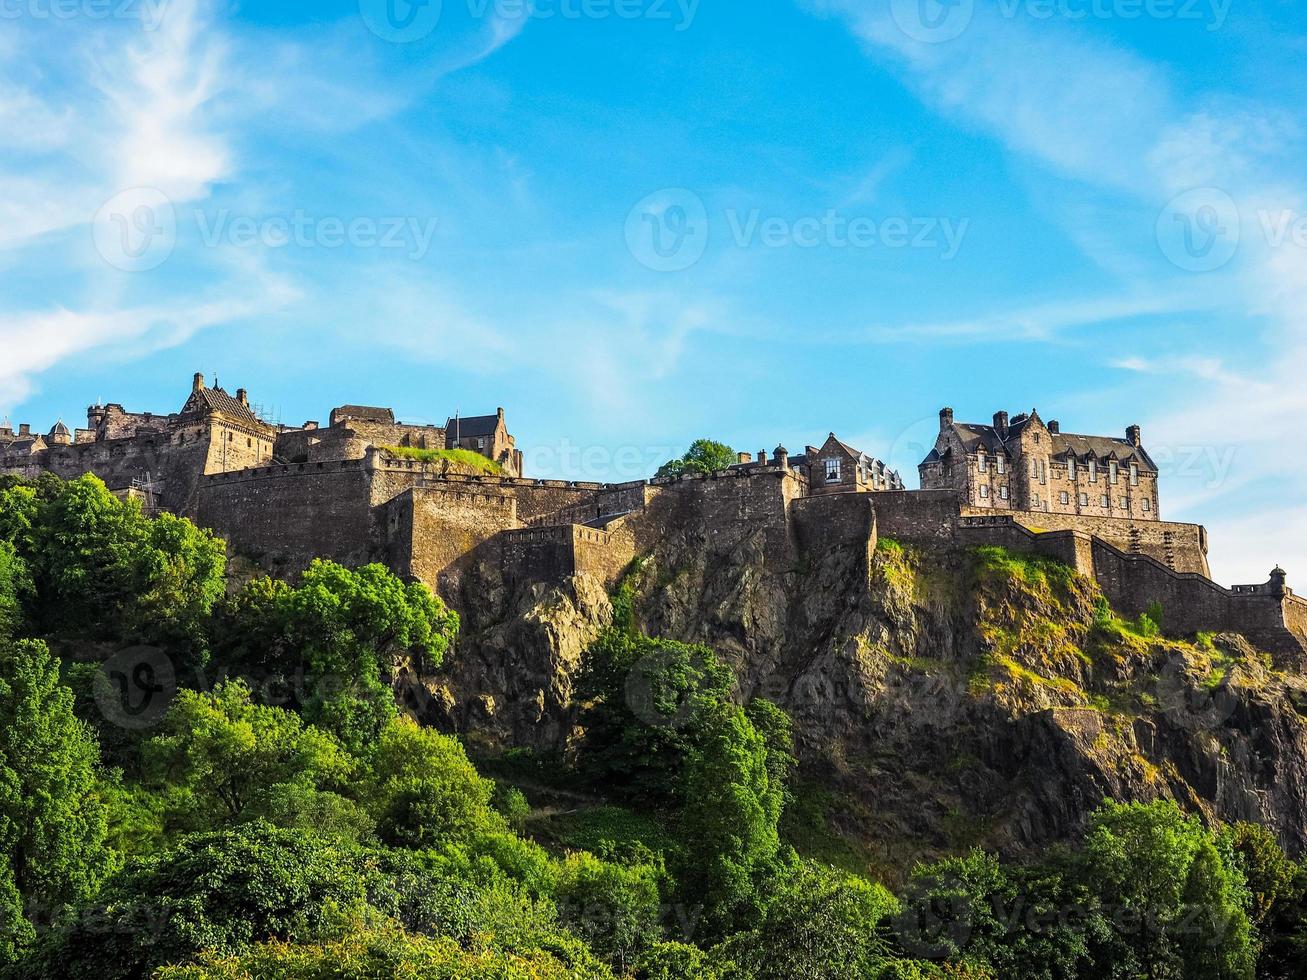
1182	547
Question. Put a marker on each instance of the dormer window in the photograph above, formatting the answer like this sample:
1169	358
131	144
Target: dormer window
983	461
1093	471
1114	471
832	471
1071	468
1002	464
1134	474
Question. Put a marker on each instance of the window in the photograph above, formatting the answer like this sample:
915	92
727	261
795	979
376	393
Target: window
1003	492
1134	474
832	471
1125	503
1106	501
1148	505
1084	500
1002	464
249	443
1114	471
983	462
1093	471
984	493
1071	469
1066	498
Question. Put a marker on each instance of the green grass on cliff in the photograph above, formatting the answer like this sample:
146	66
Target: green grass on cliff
463	457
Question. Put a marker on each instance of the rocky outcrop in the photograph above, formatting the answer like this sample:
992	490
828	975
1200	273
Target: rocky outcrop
949	698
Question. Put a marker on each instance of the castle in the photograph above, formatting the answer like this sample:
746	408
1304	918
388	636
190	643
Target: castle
367	488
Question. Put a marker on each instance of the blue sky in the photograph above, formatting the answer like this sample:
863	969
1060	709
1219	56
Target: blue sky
636	222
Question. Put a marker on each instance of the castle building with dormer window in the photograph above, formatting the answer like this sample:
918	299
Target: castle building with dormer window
1023	464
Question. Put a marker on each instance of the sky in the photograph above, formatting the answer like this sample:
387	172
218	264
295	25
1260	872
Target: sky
633	223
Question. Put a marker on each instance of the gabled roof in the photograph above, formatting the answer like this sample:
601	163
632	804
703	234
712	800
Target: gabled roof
206	400
471	427
975	438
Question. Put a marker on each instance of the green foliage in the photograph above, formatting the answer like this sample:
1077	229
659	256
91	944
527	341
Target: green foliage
331	643
511	804
224	760
680	961
613	907
16	590
1035	570
463	457
1162	869
818	923
423	791
16	933
1277	890
53	822
385	950
704	456
103	568
731	817
1014	920
644	703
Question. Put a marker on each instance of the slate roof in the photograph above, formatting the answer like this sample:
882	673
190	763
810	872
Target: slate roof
977	437
471	427
216	400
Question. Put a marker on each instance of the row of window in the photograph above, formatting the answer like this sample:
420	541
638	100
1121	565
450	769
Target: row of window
1039	472
1105	501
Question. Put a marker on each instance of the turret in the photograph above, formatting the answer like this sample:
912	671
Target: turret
781	457
59	435
1279	581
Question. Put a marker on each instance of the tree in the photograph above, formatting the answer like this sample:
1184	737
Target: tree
1177	906
222	760
333	641
819	924
16	933
423	791
730	823
51	812
613	907
15	590
704	456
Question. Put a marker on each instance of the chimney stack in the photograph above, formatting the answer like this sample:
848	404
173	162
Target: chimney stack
1135	436
945	419
1055	427
1000	423
24	428
198	383
743	458
762	457
243	397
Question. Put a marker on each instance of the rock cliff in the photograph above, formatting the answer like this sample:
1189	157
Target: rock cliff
944	698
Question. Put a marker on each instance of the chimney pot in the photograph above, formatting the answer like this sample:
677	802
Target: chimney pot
197	382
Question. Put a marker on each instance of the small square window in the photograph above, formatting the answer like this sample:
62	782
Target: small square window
1125	503
1106	501
984	493
1066	498
1148	505
1084	500
1003	492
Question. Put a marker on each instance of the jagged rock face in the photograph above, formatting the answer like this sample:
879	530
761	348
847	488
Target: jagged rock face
950	699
